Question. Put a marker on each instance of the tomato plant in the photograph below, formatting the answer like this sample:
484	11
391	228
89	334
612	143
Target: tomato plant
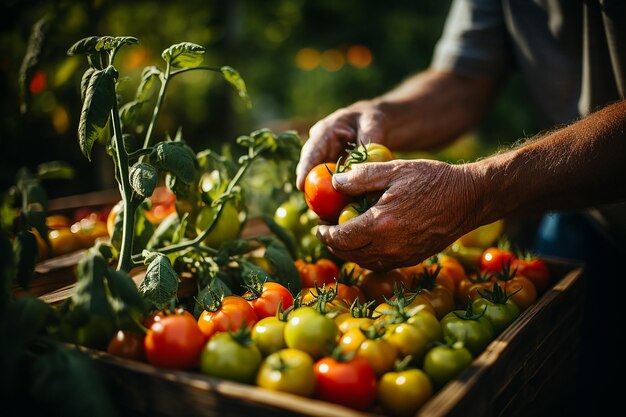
175	341
347	382
288	370
320	194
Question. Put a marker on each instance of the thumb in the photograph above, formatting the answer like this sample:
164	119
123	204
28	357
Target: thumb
363	178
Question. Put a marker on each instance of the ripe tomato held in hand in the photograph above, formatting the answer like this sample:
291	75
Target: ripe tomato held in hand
320	194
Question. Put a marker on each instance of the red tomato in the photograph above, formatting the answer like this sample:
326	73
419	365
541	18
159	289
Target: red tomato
324	271
265	298
495	259
175	342
351	383
380	285
229	314
535	270
320	194
127	345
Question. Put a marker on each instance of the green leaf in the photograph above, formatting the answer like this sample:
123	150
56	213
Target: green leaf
25	252
37	220
250	269
84	82
55	170
143	179
147	79
143	228
179	232
176	158
35	194
8	213
90	294
123	287
129	112
232	77
159	286
97	106
206	295
84	46
278	255
184	55
106	43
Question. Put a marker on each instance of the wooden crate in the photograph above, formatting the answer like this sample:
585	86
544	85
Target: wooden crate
525	371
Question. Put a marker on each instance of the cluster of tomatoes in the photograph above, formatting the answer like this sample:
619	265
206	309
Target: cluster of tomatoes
352	336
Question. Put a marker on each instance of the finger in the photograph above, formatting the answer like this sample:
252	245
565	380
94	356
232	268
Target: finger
351	235
370	128
363	178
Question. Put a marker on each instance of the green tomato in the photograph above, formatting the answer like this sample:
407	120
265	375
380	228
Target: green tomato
349	212
443	363
408	340
288	370
403	393
499	315
288	217
225	357
311	332
227	227
268	334
474	333
427	323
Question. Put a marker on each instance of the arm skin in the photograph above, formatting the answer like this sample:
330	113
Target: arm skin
427	111
426	205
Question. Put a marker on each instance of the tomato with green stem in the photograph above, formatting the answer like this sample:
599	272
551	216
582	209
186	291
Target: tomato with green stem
469	288
226	314
522	290
321	196
232	356
495	258
441	298
175	342
498	307
346	381
266	297
403	391
444	362
269	333
370	345
378	285
287	370
311	331
535	269
470	327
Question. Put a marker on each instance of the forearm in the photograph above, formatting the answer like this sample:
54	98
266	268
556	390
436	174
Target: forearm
581	165
433	108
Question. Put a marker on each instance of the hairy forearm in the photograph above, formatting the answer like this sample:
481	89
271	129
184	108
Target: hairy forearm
581	165
433	108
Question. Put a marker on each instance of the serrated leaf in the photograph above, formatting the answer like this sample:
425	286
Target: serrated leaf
84	82
84	46
177	159
96	109
25	252
143	179
90	293
147	79
184	55
106	43
278	255
206	295
160	285
232	77
55	170
129	111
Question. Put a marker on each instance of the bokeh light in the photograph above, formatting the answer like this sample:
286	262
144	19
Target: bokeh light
308	59
332	60
359	56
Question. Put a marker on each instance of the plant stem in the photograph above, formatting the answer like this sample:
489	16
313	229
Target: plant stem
206	68
125	261
157	108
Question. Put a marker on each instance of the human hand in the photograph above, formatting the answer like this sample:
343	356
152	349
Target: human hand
425	206
362	121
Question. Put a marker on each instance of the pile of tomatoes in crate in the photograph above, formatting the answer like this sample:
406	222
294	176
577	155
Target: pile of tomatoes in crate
352	336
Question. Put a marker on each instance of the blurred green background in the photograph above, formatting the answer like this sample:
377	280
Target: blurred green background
301	59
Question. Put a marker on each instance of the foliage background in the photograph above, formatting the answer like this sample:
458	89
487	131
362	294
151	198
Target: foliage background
267	41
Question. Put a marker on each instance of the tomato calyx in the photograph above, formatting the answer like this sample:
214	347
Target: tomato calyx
498	295
254	286
216	301
428	278
507	274
375	332
340	355
481	277
243	335
358	310
470	314
322	298
401	365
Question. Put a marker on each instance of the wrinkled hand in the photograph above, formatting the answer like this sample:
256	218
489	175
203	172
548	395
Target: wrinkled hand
425	206
329	137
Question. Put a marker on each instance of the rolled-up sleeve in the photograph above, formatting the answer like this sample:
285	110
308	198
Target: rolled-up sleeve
474	40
